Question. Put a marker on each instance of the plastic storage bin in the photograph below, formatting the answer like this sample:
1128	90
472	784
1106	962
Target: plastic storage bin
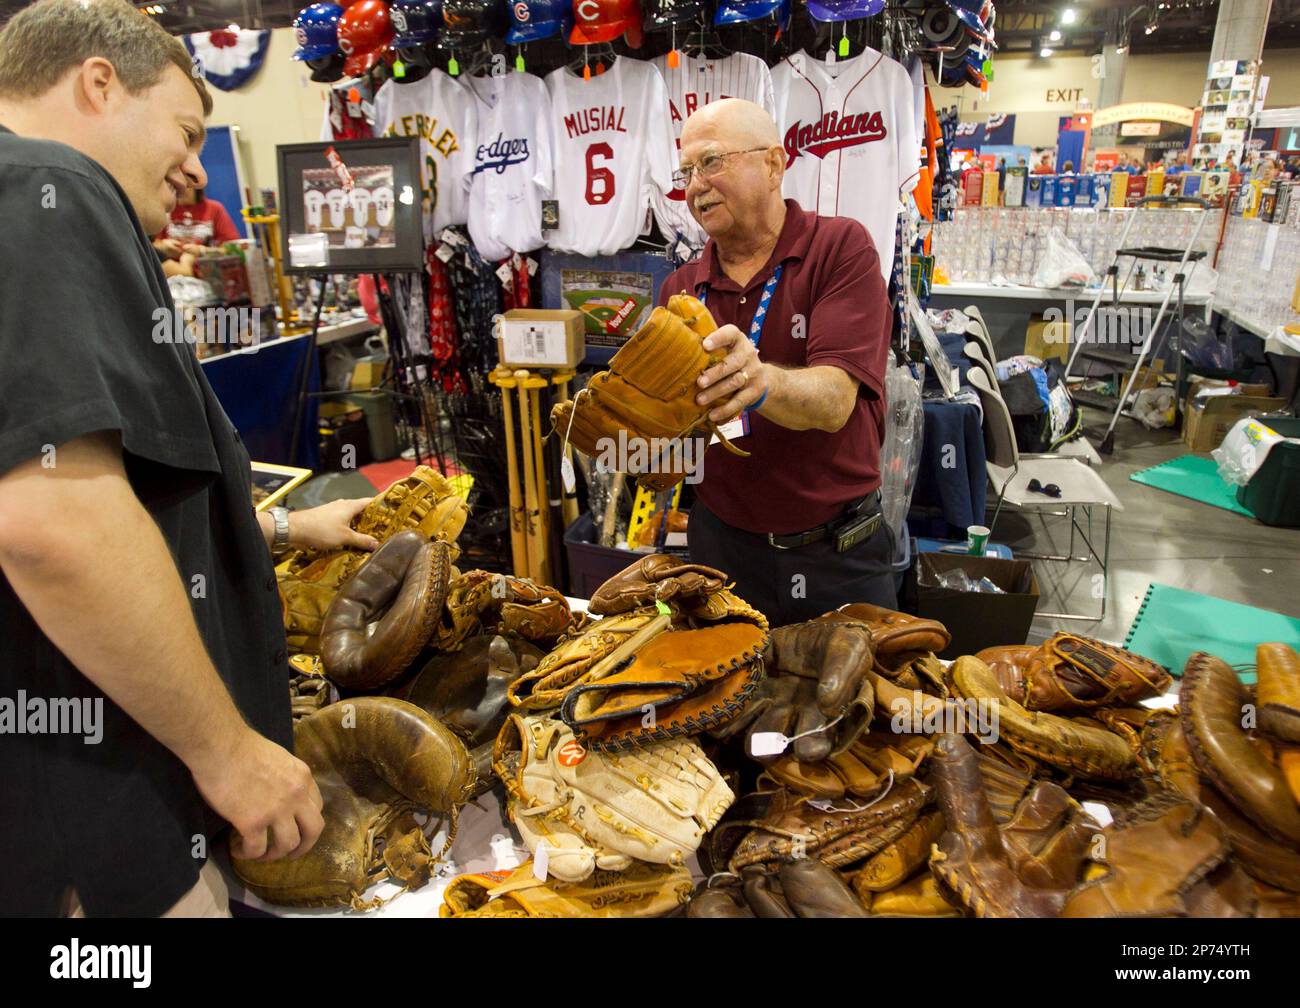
1273	493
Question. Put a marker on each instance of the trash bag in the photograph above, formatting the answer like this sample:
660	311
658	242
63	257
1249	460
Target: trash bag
1062	264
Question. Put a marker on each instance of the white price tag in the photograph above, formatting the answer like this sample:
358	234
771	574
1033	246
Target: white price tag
541	861
506	275
532	267
566	475
733	429
445	252
768	743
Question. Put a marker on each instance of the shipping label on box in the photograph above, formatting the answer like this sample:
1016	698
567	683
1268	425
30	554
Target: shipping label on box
535	337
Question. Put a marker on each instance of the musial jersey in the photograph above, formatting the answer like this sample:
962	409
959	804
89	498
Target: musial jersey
613	150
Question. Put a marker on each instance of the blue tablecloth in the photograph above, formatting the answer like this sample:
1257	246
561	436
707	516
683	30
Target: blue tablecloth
953	477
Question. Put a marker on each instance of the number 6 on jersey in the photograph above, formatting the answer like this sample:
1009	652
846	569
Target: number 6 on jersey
598	196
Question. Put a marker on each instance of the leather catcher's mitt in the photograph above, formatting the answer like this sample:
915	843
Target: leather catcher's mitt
1073	746
376	761
381	619
1212	705
1278	691
657	577
668	669
803	888
648	392
1069	674
641	890
818	693
598	811
1155	854
424	502
1023	868
466	691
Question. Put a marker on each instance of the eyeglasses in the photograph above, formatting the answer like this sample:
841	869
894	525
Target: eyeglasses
710	165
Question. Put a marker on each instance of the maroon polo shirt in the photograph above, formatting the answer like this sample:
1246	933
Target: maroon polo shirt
794	480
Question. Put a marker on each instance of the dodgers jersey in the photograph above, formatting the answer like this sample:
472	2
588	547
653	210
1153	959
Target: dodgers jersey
849	132
512	164
443	113
613	152
692	83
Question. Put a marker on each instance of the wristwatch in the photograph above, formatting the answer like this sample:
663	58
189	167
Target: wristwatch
280	541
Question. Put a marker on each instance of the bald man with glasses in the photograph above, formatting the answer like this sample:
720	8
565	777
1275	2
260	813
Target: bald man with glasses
805	322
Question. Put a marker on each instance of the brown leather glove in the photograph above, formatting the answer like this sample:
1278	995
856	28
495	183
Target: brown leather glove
802	888
1024	868
384	615
818	694
657	577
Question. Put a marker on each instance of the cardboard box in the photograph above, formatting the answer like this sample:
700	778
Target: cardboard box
368	372
541	338
1204	428
977	620
1045	339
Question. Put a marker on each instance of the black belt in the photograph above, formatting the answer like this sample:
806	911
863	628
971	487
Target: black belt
855	509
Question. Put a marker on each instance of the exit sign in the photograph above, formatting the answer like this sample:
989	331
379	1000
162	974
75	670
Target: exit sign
1064	94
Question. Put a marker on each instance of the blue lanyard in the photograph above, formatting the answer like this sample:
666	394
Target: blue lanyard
764	302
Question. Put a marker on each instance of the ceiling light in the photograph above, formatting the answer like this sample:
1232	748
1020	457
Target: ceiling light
1055	36
1068	16
1044	52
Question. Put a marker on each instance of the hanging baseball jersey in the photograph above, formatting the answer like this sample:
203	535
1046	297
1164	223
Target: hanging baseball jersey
442	112
849	132
345	119
512	164
692	83
613	152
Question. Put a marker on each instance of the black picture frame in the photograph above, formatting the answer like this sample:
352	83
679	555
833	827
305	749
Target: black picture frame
391	239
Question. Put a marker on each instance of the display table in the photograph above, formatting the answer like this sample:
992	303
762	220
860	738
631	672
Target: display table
258	388
1007	309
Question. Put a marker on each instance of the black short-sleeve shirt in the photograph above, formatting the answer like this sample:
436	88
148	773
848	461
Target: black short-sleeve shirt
83	348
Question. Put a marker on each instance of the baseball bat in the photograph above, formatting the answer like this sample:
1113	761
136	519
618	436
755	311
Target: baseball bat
532	524
518	543
547	567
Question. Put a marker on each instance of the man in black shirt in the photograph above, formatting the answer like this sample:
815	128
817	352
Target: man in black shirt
143	674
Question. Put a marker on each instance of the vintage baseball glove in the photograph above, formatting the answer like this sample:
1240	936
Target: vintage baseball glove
1068	674
648	393
482	602
424	501
573	659
895	635
668	669
919	896
656	577
1025	867
1261	856
818	694
862	770
309	690
1084	749
466	691
1150	858
1278	691
902	859
770	827
1212	706
640	890
803	888
382	618
377	761
308	580
600	811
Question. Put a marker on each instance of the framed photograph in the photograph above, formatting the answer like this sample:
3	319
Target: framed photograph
351	206
272	483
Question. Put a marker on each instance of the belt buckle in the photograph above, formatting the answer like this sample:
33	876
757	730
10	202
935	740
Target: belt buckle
771	541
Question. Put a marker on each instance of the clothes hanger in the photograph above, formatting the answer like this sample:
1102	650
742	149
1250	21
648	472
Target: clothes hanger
593	60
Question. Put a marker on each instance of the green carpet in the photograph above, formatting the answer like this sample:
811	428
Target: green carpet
1194	477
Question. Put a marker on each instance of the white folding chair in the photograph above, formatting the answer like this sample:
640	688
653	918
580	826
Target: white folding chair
1011	472
975	352
981	332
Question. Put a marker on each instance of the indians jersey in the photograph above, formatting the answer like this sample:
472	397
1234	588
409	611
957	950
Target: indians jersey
442	112
613	152
512	164
849	132
691	84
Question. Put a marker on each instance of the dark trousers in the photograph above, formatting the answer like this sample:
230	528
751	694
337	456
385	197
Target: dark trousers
793	585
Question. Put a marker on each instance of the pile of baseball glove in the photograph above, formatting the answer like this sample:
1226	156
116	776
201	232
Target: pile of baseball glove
832	768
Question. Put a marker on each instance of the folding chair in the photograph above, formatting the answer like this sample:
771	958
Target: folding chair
1011	472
